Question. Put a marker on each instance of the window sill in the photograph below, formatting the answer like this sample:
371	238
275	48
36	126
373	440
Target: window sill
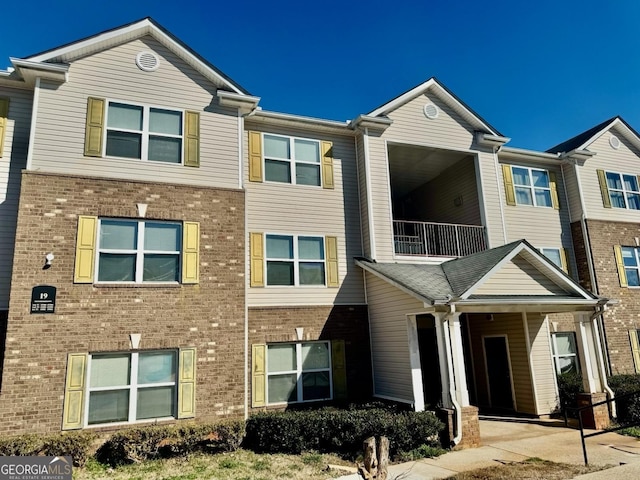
138	285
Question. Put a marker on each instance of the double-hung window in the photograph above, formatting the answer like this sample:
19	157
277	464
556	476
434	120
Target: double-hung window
292	160
295	260
631	261
142	132
298	372
624	191
555	255
565	352
138	251
532	186
129	387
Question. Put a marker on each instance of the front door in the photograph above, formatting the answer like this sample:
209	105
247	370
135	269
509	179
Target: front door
498	373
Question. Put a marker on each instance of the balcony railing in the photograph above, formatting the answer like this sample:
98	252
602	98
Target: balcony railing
429	239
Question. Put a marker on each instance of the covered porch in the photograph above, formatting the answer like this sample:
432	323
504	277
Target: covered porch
473	333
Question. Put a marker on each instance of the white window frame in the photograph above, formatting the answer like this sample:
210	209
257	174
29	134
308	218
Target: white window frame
558	250
623	190
133	388
299	371
145	133
293	162
139	252
531	187
636	267
557	356
296	260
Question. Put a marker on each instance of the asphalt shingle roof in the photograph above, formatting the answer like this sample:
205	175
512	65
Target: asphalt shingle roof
578	140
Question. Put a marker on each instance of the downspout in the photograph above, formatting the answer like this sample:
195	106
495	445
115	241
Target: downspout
601	366
452	380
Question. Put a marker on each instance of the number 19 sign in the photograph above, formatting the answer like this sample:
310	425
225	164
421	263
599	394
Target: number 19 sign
43	299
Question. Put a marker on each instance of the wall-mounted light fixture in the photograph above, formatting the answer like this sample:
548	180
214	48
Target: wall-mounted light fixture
48	259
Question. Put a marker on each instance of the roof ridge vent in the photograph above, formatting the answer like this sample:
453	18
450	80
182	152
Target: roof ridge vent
147	61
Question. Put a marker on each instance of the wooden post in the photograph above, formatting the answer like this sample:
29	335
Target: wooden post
376	459
383	458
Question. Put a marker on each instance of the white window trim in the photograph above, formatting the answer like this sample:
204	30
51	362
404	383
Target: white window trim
132	387
139	252
299	371
295	260
531	187
144	147
292	161
623	190
636	251
558	250
556	356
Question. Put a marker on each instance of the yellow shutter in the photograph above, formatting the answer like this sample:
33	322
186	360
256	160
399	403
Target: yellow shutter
620	264
94	130
564	260
331	252
635	349
85	249
553	184
258	375
191	252
338	370
187	383
74	391
255	157
192	139
604	189
256	247
4	115
509	192
327	165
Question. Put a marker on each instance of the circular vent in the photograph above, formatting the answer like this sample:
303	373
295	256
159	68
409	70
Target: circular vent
431	111
614	142
147	61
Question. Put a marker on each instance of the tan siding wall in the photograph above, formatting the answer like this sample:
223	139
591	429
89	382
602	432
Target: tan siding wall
301	209
388	309
14	158
363	196
113	74
381	199
571	184
543	371
411	125
509	324
493	194
624	160
519	277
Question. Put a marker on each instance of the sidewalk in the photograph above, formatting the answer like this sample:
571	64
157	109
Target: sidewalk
514	441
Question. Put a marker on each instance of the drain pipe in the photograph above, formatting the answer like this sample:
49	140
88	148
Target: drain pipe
452	389
603	373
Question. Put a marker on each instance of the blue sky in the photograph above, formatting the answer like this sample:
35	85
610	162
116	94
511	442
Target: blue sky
539	72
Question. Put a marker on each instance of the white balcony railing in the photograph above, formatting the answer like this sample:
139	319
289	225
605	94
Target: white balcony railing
430	239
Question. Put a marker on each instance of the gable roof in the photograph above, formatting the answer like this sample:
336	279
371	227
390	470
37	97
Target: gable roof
448	97
584	139
131	31
457	279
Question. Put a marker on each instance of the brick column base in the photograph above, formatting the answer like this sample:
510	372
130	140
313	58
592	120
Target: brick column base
596	418
470	428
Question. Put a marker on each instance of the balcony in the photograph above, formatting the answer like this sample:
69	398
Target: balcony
428	239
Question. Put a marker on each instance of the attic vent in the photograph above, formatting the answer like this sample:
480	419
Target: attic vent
614	142
431	111
147	61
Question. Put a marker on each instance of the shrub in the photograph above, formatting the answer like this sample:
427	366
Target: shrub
628	409
150	442
423	451
328	430
569	386
78	445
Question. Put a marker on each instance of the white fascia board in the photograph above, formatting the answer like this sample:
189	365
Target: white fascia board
577	154
374	123
289	119
531	155
34	65
246	103
427	302
490	140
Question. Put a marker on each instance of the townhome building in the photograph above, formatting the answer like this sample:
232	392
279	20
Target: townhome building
173	252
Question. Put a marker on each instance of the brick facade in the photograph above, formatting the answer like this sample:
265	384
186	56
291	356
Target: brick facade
90	318
620	318
341	322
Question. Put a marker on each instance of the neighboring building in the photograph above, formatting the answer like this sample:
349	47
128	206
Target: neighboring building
212	259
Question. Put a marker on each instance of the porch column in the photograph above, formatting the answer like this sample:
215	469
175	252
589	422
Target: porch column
452	371
443	359
587	344
457	353
416	366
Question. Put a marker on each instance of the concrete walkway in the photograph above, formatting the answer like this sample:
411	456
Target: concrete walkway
506	441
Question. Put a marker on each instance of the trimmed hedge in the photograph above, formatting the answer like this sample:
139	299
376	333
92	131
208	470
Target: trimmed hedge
569	386
328	430
628	409
76	444
164	441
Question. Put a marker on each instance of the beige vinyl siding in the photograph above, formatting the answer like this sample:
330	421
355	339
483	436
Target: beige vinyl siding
435	201
411	125
113	74
493	197
307	210
388	309
519	277
624	160
541	360
571	184
381	199
363	195
509	324
13	160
